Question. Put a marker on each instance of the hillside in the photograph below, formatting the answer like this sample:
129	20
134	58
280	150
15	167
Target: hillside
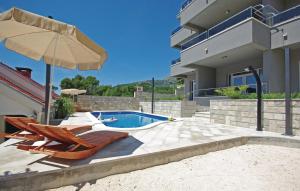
168	82
93	86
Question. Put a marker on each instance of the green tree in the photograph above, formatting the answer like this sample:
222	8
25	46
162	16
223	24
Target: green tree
66	83
90	84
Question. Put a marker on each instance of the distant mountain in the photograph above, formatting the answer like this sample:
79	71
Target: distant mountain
157	83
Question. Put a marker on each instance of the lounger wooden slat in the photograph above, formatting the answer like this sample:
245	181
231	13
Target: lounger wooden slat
32	135
22	124
72	146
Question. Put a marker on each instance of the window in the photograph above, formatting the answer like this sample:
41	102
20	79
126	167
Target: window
250	80
245	78
237	81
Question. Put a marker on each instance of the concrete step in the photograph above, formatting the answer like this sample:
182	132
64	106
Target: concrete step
202	108
202	115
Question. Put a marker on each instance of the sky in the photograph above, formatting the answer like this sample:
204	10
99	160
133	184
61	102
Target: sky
135	33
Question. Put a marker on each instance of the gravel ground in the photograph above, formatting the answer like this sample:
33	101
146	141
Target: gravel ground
249	167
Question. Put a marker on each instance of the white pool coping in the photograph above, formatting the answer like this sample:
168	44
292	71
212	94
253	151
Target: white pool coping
99	125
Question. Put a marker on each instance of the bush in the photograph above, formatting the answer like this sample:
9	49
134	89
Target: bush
64	107
180	98
240	93
232	92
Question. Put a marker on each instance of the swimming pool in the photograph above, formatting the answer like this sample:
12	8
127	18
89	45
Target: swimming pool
127	119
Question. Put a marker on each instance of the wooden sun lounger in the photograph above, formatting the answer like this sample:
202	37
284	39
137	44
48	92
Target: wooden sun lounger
31	135
22	124
71	146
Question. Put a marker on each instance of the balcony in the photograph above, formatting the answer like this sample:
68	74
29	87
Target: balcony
176	61
242	35
177	70
185	4
286	15
197	14
286	27
248	13
180	35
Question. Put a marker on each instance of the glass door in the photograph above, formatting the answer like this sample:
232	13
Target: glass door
192	88
245	78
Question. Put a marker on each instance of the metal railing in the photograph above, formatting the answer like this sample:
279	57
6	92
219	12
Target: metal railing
211	92
251	12
185	4
176	30
264	13
175	61
197	39
230	22
219	28
286	15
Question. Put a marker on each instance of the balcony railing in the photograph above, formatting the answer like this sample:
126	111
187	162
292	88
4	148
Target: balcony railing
199	38
175	61
286	15
256	12
248	13
176	30
185	4
230	22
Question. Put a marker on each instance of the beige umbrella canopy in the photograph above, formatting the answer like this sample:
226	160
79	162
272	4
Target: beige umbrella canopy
55	42
73	91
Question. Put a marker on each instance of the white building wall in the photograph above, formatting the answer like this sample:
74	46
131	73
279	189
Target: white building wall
187	84
230	68
205	77
273	68
13	102
295	77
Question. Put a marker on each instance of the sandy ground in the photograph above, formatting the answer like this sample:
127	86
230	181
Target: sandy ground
249	167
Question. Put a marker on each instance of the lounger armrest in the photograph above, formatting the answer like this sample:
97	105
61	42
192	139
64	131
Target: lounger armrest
77	129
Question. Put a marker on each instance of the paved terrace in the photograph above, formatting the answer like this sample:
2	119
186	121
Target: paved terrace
164	137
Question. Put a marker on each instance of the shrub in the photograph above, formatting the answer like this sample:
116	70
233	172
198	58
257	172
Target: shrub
232	92
171	98
64	107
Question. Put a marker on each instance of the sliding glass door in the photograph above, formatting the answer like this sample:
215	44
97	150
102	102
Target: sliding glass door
245	78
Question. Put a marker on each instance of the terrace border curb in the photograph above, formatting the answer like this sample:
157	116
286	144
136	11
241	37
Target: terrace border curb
91	172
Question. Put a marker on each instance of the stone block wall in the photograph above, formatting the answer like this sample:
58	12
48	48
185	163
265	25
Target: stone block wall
243	113
147	96
171	108
94	103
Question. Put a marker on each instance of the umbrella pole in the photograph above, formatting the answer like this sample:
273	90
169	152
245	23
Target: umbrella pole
48	91
48	94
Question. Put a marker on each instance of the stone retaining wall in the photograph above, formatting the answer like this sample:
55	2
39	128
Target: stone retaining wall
171	108
243	113
147	96
93	103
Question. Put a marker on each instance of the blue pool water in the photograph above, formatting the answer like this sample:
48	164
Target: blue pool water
128	119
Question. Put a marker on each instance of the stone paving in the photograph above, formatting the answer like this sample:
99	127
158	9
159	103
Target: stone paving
185	132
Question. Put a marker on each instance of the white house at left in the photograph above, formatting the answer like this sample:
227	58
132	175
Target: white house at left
19	94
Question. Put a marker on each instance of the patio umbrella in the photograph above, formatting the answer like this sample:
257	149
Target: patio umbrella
73	92
54	42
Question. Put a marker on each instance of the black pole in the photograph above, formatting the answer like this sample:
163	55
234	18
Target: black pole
259	98
152	98
47	94
288	121
48	90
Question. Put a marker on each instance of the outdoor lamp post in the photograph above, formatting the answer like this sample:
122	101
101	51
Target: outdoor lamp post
152	97
259	99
